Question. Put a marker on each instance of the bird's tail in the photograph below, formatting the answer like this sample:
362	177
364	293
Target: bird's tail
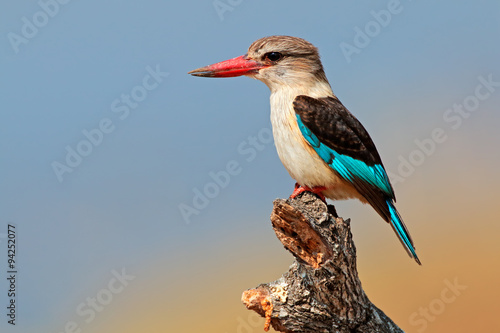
400	229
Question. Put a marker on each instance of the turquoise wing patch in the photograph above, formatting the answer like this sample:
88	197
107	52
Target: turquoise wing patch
346	166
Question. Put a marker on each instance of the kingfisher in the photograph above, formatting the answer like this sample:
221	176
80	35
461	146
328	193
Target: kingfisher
321	144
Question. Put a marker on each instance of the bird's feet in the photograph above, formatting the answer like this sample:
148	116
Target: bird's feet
316	190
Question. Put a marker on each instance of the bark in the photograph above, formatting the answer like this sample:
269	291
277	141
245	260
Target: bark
321	292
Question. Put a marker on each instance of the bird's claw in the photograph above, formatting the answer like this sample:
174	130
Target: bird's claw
316	190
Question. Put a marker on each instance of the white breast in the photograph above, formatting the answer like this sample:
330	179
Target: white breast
301	161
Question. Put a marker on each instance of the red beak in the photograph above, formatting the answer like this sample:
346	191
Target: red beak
233	67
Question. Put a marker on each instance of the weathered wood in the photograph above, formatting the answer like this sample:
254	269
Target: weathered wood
321	292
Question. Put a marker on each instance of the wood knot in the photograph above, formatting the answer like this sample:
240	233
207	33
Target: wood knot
297	235
259	300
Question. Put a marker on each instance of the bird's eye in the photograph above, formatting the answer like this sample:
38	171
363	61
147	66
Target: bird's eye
273	56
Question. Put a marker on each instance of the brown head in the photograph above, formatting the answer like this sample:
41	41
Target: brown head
276	60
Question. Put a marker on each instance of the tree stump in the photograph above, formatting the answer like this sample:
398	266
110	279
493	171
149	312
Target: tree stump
321	292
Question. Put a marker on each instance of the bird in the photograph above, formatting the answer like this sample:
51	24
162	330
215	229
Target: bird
321	144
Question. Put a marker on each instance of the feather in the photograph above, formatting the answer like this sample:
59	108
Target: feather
348	149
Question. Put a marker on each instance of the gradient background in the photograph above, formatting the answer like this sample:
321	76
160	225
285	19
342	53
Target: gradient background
119	209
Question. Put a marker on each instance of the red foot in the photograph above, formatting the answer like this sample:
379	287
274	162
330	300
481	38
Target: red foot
316	190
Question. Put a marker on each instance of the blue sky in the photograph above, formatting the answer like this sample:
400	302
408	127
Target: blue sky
119	205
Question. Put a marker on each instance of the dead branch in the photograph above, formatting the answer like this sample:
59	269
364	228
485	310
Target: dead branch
321	292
